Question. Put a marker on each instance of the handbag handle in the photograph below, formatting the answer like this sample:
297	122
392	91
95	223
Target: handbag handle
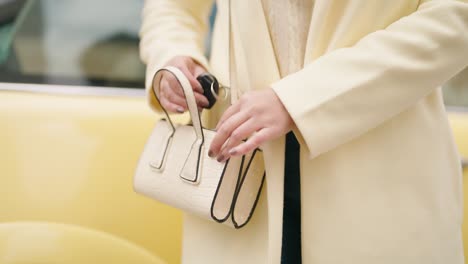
190	171
189	98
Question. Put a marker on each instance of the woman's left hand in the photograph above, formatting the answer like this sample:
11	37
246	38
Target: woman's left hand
257	115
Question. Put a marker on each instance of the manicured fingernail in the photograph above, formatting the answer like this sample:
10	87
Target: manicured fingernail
232	152
210	154
180	110
220	158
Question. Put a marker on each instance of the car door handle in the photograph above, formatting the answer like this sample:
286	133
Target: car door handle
464	163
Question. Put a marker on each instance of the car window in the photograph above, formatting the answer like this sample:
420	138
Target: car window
86	42
456	90
95	43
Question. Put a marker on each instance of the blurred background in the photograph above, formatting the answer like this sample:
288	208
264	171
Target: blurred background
73	42
74	120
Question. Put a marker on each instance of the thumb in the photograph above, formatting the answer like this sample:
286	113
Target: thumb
197	69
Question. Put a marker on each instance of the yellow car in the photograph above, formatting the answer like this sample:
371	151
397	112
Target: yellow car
73	121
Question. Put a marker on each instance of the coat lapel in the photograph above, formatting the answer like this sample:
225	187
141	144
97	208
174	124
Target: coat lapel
259	65
257	69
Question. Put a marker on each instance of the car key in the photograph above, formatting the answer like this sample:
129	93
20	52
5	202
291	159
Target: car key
210	87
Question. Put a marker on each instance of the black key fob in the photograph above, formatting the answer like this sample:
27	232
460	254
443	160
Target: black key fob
210	85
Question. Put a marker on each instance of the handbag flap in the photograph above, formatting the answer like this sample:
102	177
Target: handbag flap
249	190
228	184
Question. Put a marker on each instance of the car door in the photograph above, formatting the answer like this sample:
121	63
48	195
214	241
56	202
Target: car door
73	122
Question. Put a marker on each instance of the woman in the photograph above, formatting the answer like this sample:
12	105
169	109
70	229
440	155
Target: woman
357	83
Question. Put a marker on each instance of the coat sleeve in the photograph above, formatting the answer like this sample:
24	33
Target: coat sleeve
350	91
172	28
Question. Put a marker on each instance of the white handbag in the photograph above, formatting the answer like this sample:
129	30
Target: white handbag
175	169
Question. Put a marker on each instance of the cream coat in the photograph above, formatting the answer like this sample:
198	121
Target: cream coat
380	174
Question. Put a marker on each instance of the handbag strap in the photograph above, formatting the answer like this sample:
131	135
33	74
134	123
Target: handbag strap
189	98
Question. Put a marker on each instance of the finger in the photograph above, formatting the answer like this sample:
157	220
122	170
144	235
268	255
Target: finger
161	94
201	100
172	97
196	86
252	143
225	131
176	98
233	109
171	107
157	87
172	83
175	86
197	69
237	136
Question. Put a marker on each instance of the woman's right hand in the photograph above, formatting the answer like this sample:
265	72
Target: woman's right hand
170	93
